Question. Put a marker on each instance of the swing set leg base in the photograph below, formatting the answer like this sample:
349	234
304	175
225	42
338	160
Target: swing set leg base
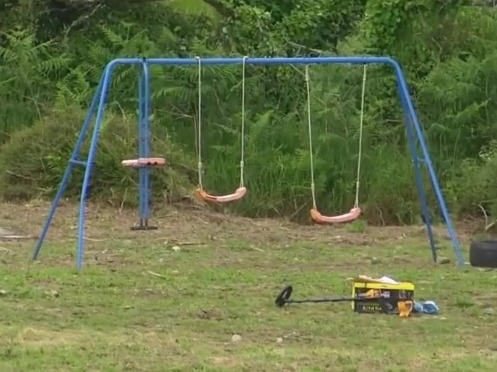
143	226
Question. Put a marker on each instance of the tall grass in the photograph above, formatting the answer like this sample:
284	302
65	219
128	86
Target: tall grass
46	88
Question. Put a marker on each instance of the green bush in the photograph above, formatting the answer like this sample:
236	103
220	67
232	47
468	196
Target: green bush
34	161
476	184
451	67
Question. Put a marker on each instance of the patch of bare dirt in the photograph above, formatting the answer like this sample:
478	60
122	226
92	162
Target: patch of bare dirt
195	225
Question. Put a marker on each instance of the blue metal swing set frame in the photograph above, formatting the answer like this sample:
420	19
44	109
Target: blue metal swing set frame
417	144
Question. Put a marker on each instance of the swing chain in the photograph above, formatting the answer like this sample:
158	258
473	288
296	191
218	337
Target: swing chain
361	127
199	120
309	123
242	144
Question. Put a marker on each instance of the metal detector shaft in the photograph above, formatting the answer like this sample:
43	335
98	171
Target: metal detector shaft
284	298
339	299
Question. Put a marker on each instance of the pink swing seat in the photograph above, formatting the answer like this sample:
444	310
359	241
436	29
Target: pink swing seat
237	195
352	215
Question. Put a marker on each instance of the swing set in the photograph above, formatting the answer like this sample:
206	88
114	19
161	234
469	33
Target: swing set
145	162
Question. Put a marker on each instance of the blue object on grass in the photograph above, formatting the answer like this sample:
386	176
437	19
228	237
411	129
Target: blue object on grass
426	307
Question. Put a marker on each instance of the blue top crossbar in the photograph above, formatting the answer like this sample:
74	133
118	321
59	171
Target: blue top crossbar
257	61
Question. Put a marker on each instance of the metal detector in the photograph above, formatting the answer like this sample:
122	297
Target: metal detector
283	298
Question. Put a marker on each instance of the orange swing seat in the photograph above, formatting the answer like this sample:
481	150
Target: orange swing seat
237	195
352	215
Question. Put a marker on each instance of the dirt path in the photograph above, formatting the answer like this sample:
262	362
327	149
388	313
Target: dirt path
194	224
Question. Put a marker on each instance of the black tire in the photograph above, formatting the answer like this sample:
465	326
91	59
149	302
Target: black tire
483	253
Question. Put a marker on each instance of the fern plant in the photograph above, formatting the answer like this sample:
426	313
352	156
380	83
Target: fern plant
27	70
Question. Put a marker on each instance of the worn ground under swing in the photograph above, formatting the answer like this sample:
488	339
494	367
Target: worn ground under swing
142	304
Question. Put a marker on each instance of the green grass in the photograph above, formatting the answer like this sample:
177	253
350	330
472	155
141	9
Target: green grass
139	305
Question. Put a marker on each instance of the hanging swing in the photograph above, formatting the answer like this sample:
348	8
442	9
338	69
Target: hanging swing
241	190
355	212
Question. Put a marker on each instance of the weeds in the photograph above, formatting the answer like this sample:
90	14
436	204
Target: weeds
46	88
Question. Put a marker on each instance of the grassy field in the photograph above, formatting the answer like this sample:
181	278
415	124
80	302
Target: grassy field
142	304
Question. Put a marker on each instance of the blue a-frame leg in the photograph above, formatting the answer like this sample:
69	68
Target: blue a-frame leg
413	130
98	106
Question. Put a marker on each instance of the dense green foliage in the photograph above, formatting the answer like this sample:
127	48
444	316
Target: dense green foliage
52	54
